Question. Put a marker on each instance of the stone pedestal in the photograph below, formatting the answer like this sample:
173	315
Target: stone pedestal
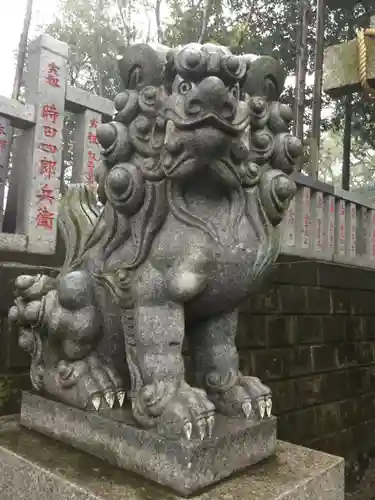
185	466
34	467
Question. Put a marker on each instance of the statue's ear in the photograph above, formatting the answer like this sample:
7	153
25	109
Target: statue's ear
141	65
265	77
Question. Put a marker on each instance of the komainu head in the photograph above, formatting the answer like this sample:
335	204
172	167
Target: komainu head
193	113
194	108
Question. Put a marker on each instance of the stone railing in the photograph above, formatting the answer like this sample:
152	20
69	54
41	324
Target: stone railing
322	223
325	223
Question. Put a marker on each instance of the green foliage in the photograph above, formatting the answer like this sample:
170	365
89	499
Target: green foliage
95	37
97	30
362	160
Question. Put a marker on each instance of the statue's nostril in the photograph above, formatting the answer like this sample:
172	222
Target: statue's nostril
193	106
228	110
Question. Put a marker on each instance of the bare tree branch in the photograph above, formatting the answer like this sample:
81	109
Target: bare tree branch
249	19
148	36
93	79
124	23
205	18
158	21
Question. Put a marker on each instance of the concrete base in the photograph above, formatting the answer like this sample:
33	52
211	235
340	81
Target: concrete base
33	467
185	466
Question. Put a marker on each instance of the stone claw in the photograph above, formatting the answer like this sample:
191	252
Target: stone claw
96	402
268	407
188	429
210	425
13	314
201	424
262	407
121	398
247	408
109	399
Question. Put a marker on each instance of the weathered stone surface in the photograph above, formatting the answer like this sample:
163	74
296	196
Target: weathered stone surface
19	115
87	150
8	273
185	466
190	218
40	147
78	101
341	73
33	467
194	183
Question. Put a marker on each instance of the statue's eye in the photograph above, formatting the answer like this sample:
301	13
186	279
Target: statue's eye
185	87
235	92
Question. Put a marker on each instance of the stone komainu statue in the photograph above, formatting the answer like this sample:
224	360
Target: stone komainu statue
194	183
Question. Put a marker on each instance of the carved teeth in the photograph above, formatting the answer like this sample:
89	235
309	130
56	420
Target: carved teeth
188	428
121	398
169	129
246	406
201	429
96	402
262	408
109	398
268	406
210	426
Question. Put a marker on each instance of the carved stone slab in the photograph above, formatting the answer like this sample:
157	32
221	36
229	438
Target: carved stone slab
33	467
341	74
184	466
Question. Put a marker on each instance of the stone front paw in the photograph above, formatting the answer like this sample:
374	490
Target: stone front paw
27	315
247	397
64	309
175	409
59	320
90	383
30	291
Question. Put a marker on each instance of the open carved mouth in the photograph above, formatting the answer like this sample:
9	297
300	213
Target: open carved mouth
178	162
223	167
210	120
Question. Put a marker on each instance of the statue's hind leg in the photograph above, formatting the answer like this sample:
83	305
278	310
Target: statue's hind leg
217	369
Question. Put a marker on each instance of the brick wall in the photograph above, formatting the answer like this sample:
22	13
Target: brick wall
310	335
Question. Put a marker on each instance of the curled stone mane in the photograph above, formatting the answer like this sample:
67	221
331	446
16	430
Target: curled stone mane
133	179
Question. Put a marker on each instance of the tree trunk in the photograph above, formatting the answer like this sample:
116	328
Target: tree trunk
22	49
301	67
317	94
9	223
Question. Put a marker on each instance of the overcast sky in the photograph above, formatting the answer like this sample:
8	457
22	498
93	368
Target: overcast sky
11	23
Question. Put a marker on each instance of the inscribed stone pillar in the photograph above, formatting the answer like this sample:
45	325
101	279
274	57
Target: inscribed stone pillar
42	146
86	147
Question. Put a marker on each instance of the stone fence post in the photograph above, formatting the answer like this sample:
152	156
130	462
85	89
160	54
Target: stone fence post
39	150
86	147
